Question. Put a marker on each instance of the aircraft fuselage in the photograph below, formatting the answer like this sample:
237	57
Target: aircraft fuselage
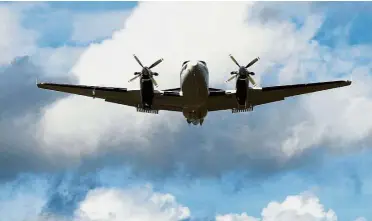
194	84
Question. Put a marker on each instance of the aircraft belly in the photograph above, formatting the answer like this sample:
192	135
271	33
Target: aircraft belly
194	89
195	113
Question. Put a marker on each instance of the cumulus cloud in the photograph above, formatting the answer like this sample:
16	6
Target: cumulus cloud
236	217
20	102
22	62
264	140
57	62
303	207
106	204
144	203
136	204
15	40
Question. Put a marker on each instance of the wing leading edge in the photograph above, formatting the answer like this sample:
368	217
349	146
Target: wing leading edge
259	96
162	101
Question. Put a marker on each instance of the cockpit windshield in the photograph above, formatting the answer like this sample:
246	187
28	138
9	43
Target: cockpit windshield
185	62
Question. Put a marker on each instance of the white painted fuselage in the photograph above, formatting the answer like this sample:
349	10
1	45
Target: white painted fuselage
194	87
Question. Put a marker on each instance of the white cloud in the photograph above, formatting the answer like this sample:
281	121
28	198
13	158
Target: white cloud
236	217
143	203
57	62
79	126
132	205
15	40
303	207
139	203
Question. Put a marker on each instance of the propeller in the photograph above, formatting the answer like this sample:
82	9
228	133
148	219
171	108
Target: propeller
243	70
146	71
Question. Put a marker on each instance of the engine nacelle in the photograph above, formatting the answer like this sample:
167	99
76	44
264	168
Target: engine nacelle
147	92
241	91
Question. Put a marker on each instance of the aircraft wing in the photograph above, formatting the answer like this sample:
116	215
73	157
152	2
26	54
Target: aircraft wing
225	100
170	101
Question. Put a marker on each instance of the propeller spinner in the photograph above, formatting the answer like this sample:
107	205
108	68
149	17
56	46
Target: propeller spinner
243	70
146	71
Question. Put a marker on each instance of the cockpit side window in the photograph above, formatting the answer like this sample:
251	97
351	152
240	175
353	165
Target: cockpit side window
203	62
185	62
183	68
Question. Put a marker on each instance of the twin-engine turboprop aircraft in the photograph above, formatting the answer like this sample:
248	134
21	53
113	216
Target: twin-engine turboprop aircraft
194	98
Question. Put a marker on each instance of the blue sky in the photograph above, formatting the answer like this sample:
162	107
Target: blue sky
234	164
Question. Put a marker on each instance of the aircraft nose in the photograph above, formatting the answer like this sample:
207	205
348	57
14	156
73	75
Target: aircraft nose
193	63
194	66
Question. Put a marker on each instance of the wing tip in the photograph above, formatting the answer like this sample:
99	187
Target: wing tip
348	82
42	84
39	84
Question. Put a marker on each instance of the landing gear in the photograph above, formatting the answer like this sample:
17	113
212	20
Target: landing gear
195	122
195	115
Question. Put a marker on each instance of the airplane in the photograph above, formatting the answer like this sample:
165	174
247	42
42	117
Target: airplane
194	98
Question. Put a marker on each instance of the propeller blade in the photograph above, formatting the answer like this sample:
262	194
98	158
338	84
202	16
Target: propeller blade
153	81
232	58
251	80
234	76
156	63
134	78
252	62
139	62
